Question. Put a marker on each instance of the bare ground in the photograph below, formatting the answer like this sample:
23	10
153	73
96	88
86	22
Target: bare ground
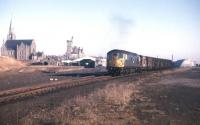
162	98
35	75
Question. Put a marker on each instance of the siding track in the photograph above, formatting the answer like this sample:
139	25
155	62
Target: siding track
17	94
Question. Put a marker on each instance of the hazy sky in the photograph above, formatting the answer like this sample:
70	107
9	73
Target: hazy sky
149	27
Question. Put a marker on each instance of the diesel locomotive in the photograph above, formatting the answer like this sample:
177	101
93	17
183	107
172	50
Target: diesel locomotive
124	62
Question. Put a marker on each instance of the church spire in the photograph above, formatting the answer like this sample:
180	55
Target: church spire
11	35
10	28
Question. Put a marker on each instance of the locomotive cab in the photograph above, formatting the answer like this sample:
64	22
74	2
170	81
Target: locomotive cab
116	60
120	62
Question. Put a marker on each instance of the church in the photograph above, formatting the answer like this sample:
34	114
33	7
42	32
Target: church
20	49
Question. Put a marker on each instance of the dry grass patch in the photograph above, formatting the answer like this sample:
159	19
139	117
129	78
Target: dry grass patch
105	106
7	63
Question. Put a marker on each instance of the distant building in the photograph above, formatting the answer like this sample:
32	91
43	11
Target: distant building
73	52
86	61
69	48
19	49
101	61
38	56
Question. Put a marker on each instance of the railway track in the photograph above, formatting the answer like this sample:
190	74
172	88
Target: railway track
17	94
21	93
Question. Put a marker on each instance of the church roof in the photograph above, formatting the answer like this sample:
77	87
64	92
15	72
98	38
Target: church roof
12	44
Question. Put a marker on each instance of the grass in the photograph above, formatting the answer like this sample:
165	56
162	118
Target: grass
109	105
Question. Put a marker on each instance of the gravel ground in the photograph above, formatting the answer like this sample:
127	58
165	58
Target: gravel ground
162	98
35	75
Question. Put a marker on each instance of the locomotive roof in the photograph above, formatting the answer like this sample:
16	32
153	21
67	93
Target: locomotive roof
124	51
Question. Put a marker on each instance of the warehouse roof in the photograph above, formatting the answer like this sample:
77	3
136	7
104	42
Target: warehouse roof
86	57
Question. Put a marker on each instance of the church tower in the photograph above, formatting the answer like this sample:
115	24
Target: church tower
11	34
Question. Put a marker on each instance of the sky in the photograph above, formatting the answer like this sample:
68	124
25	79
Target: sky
157	28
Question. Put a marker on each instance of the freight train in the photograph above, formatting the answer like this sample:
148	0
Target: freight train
124	62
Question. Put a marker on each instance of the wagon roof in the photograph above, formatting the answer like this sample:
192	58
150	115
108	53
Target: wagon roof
155	58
